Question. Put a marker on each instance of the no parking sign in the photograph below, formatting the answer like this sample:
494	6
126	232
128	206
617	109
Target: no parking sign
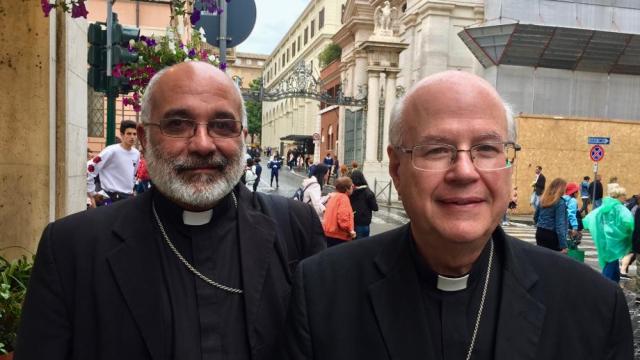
596	153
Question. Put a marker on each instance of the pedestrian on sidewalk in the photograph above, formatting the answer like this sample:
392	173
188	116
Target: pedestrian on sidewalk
573	214
538	187
635	242
551	217
363	203
611	227
595	192
275	164
313	195
338	223
257	168
116	166
584	195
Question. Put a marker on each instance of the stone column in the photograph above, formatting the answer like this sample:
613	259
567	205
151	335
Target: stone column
359	73
389	101
371	144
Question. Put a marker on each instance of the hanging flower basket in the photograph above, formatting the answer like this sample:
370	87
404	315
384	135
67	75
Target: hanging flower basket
75	7
154	54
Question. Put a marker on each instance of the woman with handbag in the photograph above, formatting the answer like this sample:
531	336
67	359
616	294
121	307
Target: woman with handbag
551	217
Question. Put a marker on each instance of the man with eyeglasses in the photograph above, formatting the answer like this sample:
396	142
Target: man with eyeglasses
451	284
197	268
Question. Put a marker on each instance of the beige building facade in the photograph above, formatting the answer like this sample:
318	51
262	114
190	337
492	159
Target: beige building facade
420	39
304	41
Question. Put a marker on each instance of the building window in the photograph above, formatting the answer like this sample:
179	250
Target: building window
293	49
299	41
260	63
306	35
313	28
288	52
239	61
321	19
283	60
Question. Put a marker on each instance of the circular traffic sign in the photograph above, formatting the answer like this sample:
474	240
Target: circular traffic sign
316	136
596	153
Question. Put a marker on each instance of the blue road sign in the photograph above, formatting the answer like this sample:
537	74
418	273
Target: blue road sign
595	140
596	153
241	17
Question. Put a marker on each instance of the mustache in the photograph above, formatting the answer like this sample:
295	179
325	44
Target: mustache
196	162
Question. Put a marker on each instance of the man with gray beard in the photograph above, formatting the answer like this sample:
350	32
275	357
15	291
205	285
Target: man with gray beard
196	268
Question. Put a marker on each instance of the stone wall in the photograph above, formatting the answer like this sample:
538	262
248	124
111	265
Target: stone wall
29	197
24	120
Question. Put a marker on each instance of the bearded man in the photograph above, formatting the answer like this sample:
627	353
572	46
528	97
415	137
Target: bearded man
195	268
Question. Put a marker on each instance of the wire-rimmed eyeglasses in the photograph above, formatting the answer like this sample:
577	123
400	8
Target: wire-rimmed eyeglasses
185	128
440	157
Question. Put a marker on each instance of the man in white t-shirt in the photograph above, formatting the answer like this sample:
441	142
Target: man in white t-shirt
116	165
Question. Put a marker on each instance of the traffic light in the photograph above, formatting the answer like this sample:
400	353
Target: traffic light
97	56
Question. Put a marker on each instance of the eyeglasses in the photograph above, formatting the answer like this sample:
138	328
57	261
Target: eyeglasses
440	157
184	128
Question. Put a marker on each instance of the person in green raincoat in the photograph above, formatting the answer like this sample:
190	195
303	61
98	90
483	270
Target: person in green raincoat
611	226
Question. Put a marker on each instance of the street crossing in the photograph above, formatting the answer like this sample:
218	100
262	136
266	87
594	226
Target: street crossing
528	233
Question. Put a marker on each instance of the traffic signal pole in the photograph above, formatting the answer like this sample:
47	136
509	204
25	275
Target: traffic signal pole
223	33
111	91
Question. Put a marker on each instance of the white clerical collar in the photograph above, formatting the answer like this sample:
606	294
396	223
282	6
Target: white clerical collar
196	218
452	284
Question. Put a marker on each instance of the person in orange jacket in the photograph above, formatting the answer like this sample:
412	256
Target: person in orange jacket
338	216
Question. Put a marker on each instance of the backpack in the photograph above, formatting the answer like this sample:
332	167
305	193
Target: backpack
299	194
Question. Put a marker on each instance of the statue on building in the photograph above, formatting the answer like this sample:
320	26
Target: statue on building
383	18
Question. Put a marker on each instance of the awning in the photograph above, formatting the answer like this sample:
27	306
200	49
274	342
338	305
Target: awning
554	47
298	138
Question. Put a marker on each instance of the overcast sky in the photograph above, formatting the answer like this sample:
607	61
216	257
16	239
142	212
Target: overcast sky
274	18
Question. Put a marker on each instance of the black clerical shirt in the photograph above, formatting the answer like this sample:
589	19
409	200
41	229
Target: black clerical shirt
451	315
208	323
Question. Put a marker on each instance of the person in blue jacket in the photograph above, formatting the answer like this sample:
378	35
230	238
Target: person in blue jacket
551	217
573	214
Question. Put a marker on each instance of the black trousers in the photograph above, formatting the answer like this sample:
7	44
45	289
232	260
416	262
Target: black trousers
547	238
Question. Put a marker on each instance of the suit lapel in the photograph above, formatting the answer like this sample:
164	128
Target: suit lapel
397	302
521	316
138	272
257	237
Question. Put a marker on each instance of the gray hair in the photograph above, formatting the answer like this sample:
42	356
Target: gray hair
145	103
396	125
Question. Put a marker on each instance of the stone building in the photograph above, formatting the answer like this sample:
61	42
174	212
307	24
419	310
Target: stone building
386	47
292	121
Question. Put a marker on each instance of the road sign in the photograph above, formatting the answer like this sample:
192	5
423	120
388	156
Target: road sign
241	17
596	153
596	140
316	136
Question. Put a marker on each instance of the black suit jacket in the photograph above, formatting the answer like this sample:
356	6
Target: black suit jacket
97	287
540	184
363	301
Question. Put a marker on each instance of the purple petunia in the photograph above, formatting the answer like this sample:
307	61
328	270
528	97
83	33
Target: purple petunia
79	10
195	16
223	66
46	7
192	53
151	42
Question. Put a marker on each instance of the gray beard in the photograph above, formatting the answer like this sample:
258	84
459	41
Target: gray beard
200	191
